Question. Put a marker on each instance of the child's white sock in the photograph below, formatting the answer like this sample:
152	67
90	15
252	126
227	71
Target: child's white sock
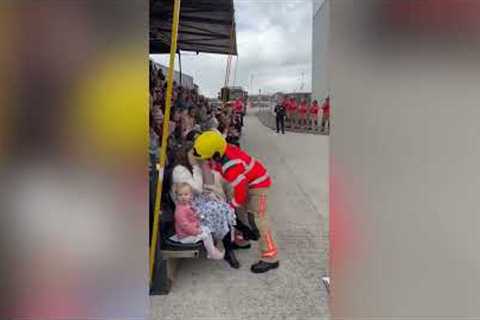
213	252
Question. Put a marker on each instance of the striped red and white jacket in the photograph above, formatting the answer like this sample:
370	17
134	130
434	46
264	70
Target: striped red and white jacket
243	172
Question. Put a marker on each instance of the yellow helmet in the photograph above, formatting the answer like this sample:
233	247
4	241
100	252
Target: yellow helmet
208	143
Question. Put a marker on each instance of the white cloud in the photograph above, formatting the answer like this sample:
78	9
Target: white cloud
274	45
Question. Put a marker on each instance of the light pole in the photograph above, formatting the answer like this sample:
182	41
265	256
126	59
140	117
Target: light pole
251	82
302	84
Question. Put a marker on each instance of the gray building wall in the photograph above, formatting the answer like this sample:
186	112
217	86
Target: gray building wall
187	81
405	174
321	30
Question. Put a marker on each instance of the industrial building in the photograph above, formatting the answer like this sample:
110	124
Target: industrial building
183	79
320	34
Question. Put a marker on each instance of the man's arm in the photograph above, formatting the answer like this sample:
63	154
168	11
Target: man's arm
236	178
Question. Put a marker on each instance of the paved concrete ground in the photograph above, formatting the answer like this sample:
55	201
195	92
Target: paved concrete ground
204	289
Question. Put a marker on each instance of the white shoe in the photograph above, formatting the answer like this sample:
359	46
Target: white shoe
217	255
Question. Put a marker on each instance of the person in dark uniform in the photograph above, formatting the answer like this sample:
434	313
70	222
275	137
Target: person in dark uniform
326	116
280	114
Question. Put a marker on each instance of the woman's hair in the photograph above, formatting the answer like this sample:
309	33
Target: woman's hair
190	137
181	158
191	111
177	132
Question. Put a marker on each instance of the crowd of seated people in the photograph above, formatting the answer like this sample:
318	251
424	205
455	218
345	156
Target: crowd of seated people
185	178
191	113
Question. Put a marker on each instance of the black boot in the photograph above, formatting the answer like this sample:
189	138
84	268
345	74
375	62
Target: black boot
263	266
253	225
247	233
229	253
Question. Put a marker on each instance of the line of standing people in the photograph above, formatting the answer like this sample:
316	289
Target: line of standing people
301	116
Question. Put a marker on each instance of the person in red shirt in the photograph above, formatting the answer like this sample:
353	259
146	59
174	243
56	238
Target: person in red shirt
313	114
237	105
293	112
243	111
302	113
326	116
239	108
286	106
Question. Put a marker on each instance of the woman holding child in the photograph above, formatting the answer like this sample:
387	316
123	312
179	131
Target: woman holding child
207	212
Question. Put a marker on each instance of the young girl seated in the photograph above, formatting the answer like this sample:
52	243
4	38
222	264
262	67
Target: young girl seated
188	223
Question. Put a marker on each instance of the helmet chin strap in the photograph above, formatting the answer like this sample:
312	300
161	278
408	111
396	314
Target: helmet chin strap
217	157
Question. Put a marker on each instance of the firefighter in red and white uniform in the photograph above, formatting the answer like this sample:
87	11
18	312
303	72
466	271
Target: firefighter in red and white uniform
251	185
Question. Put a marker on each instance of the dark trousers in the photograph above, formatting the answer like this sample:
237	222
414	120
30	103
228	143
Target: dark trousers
280	123
326	123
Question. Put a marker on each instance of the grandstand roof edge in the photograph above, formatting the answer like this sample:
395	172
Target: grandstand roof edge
205	26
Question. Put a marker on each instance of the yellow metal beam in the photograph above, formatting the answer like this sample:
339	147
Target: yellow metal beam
163	145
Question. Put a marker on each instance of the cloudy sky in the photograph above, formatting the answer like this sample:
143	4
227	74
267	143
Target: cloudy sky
274	49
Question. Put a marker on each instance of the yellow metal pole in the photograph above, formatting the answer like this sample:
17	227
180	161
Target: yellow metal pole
163	146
